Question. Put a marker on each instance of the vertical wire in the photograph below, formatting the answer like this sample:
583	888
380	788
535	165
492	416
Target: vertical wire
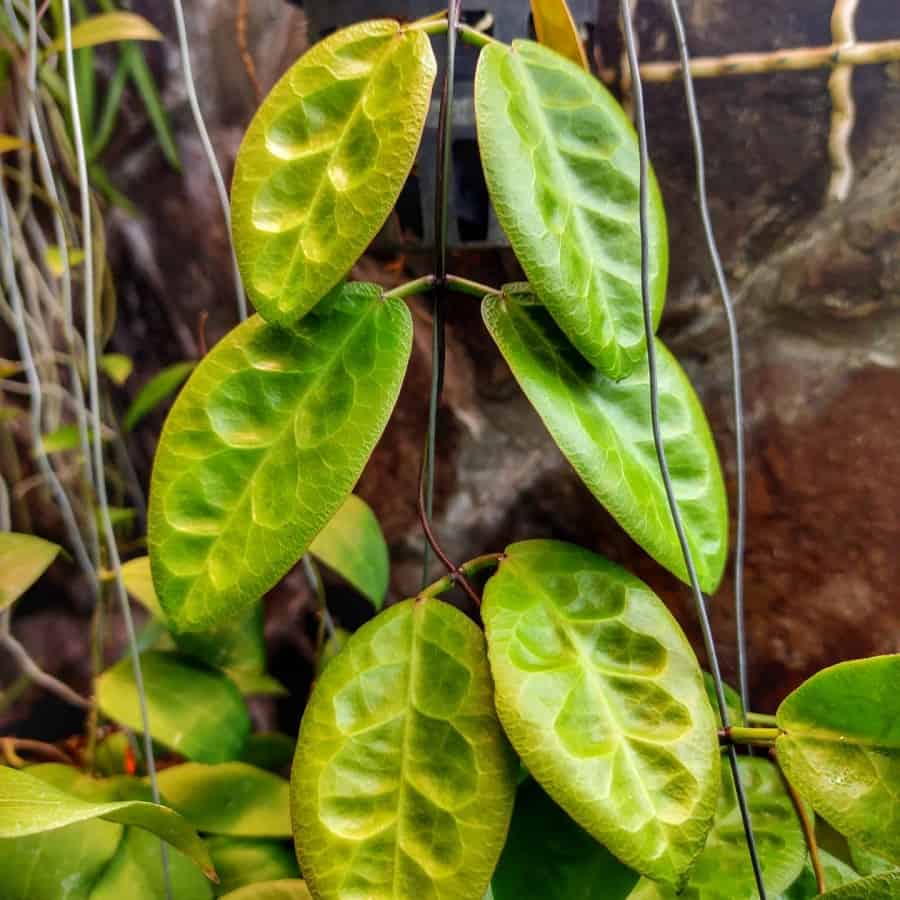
441	216
36	395
735	348
659	444
221	190
96	435
49	183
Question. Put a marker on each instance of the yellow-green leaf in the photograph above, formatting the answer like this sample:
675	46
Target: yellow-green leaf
556	29
324	160
30	805
193	710
117	366
353	545
155	391
841	749
54	260
272	890
23	559
108	27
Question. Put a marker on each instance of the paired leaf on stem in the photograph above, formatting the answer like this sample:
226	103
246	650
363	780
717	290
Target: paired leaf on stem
841	749
263	446
324	160
603	427
602	697
403	782
561	163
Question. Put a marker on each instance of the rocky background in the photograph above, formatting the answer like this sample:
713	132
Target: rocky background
817	287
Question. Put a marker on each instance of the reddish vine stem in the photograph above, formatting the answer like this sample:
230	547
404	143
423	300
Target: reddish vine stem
240	25
809	831
456	573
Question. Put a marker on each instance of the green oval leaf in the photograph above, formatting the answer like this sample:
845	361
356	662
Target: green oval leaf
561	163
867	863
837	873
603	428
841	749
231	798
272	890
723	871
876	887
601	695
159	388
323	162
548	857
107	27
136	873
23	559
263	446
31	805
353	544
403	782
194	711
244	861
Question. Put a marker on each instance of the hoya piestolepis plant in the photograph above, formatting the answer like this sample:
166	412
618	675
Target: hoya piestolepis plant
406	768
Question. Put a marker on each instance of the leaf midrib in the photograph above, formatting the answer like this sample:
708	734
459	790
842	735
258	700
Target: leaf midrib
314	382
536	105
392	46
589	670
404	749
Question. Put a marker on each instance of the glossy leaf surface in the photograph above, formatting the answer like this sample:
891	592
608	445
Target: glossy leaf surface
263	446
876	887
603	428
555	28
323	162
243	861
867	863
561	163
32	805
23	559
136	873
159	388
353	545
238	648
403	782
548	857
603	699
841	749
272	890
837	873
105	28
231	798
194	710
722	871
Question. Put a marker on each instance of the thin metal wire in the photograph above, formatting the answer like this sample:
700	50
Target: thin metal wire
438	329
735	347
221	190
658	441
49	182
36	395
96	424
